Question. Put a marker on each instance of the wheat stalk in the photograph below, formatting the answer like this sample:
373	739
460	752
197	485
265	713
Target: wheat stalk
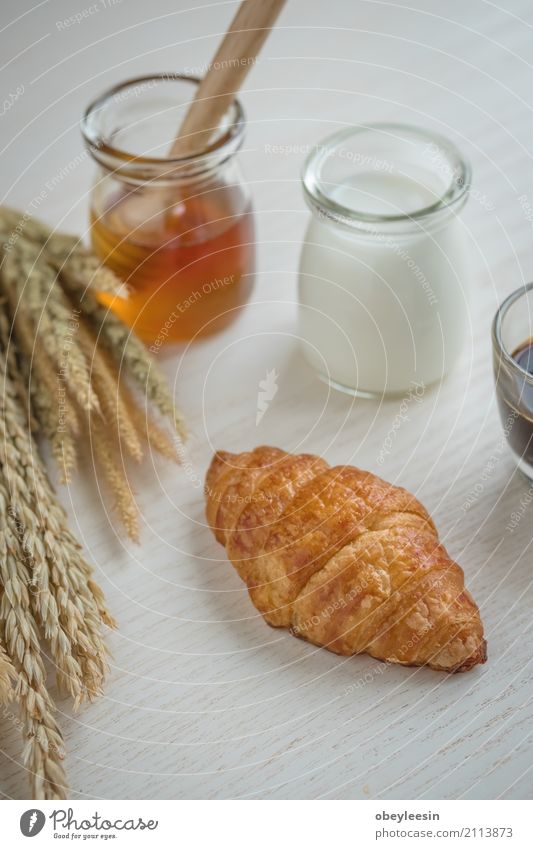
148	429
7	677
64	365
89	274
38	373
46	588
66	616
30	284
14	366
107	460
128	351
77	368
14	224
106	382
43	751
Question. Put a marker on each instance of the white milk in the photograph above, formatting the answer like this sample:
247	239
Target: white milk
384	309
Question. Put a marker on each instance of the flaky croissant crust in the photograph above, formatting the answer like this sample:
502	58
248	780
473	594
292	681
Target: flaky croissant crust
343	559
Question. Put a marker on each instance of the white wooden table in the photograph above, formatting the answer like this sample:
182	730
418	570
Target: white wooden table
204	700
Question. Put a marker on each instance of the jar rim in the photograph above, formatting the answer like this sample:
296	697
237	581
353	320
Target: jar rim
117	158
319	201
497	339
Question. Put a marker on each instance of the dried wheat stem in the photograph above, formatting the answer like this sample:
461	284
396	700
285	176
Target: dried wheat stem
7	677
16	500
91	274
14	224
155	436
73	351
50	403
106	458
74	575
70	618
14	364
69	613
128	351
82	275
46	586
43	750
43	597
80	603
106	382
30	284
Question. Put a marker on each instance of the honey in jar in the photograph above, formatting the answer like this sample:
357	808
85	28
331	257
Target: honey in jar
178	233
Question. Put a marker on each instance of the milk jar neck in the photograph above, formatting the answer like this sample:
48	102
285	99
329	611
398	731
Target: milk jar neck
386	179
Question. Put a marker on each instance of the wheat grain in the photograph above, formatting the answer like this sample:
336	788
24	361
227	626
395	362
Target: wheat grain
22	498
30	284
46	583
129	352
43	750
106	382
106	459
44	386
14	224
39	307
46	587
89	274
68	616
14	365
7	677
149	430
82	274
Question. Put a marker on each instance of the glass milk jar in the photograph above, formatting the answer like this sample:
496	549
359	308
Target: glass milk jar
383	269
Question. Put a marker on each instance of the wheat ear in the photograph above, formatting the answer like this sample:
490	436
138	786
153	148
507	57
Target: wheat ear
148	430
107	460
30	284
7	677
128	351
106	382
68	622
14	224
45	391
43	750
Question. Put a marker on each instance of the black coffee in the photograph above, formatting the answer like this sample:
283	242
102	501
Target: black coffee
518	422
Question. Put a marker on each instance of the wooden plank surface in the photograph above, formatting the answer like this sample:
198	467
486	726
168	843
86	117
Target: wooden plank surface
204	700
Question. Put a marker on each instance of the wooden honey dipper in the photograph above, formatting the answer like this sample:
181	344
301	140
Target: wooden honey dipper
246	35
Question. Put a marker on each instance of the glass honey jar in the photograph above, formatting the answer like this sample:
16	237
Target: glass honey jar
178	231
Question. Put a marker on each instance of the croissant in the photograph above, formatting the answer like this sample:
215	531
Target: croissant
343	559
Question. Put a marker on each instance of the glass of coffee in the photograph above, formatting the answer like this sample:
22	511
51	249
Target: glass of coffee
512	345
